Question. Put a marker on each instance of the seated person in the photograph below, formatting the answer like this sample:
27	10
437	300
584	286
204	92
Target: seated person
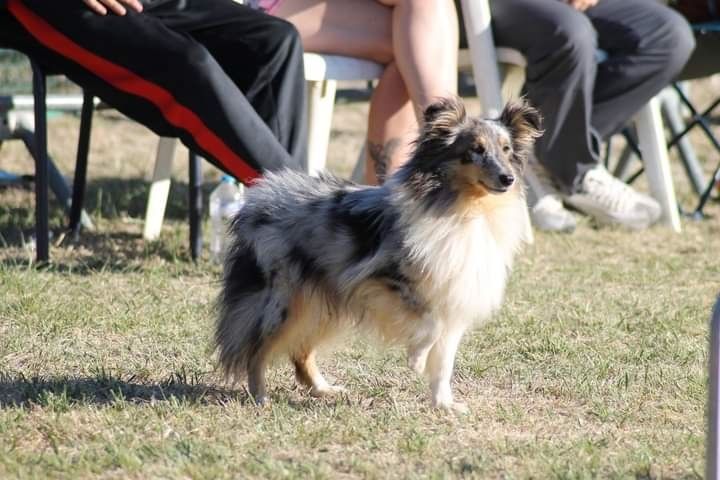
416	40
224	78
582	101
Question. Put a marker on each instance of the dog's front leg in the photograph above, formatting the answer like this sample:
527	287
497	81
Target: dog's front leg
441	361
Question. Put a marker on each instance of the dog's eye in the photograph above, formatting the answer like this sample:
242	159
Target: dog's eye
506	148
480	149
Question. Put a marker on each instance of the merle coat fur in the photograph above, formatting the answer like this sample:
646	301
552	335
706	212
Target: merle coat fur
416	261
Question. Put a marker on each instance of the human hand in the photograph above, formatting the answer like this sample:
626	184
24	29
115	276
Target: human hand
582	5
117	7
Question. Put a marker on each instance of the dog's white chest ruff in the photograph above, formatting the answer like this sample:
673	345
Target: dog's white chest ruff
466	263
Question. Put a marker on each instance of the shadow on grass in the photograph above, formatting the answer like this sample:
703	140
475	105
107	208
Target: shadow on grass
113	248
119	252
107	198
104	390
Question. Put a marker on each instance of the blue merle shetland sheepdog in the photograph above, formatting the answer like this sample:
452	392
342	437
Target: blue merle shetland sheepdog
417	260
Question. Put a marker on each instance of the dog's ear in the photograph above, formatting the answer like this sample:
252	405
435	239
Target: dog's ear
524	124
444	115
443	121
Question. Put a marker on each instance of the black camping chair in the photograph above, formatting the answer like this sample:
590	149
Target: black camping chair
12	36
704	62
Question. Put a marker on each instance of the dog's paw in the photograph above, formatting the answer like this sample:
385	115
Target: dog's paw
417	363
262	401
452	406
327	391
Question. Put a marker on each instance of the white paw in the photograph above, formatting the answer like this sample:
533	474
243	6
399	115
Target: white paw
417	363
452	406
327	391
262	401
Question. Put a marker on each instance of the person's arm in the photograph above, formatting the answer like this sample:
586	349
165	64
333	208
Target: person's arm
582	5
118	7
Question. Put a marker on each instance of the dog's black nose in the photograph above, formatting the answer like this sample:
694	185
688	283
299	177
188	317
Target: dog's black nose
506	180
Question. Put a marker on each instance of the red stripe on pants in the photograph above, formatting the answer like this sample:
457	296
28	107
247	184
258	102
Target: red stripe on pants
123	79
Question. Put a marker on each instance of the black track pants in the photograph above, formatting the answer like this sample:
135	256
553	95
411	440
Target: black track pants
226	79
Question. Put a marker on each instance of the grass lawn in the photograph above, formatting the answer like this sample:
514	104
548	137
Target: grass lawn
595	367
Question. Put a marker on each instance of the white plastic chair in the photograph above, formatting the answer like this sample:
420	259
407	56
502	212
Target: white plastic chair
651	138
322	72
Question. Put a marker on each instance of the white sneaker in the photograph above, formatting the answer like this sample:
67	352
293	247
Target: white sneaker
546	208
611	201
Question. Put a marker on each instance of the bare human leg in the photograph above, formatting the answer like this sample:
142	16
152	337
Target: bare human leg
428	35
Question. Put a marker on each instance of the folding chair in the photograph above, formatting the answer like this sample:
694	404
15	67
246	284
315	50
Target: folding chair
18	123
703	120
46	174
34	135
195	203
703	63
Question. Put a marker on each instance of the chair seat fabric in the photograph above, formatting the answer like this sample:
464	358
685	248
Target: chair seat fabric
335	67
705	60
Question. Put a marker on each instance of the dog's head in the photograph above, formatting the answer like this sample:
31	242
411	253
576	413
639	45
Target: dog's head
483	156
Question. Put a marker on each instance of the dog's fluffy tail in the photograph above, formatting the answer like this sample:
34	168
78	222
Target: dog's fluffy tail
247	314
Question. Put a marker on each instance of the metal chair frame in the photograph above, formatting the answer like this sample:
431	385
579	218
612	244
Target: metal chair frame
47	174
675	99
703	120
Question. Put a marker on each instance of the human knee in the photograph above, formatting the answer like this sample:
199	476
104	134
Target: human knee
679	41
196	57
379	50
576	37
437	10
284	36
428	5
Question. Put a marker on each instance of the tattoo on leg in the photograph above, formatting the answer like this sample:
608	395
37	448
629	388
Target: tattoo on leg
381	155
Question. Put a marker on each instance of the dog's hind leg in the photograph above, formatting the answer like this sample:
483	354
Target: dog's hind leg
256	376
308	374
419	350
441	361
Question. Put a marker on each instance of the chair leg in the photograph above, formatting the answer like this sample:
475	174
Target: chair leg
512	81
670	106
80	177
321	102
159	189
56	181
482	50
42	232
698	213
651	138
622	166
702	120
195	204
358	173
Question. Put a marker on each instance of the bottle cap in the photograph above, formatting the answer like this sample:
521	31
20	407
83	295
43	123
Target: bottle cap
227	179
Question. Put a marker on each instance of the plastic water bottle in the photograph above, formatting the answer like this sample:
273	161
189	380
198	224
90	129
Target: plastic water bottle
225	201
